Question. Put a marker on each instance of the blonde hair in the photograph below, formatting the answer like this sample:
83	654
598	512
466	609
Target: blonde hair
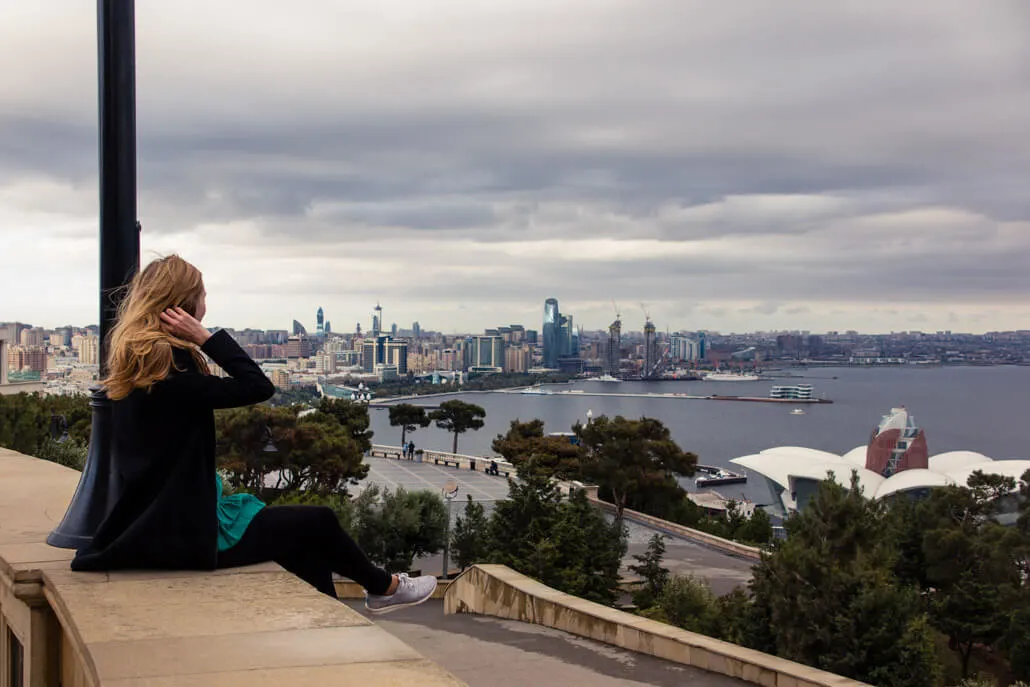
140	350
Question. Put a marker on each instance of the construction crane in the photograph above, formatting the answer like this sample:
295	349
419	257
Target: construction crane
643	306
618	315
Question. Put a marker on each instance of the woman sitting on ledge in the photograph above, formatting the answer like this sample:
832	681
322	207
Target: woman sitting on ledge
170	513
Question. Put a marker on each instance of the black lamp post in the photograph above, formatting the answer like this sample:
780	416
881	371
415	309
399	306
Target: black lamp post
100	485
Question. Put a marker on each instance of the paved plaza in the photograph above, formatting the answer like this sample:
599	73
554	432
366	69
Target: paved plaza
682	557
393	473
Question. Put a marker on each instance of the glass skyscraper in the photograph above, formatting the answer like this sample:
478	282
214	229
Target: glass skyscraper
552	333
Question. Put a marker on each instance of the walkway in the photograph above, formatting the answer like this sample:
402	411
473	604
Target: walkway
490	652
682	557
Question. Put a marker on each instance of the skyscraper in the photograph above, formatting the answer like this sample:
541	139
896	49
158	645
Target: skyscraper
416	330
328	328
298	329
613	359
377	320
552	333
650	350
320	322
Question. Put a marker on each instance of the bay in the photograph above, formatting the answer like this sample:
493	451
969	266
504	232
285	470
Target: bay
981	409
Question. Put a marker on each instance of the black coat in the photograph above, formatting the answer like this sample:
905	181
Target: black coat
163	450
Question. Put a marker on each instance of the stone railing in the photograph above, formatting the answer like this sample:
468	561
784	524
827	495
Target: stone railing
238	626
728	546
499	591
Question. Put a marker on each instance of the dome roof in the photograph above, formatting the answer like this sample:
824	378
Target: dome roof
906	480
955	460
1008	468
785	465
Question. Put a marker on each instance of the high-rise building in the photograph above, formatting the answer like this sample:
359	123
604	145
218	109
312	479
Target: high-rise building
89	349
397	356
32	358
33	337
683	348
281	378
3	361
328	328
552	333
416	330
320	322
518	358
485	351
613	354
393	330
325	363
650	350
377	320
298	329
702	346
298	347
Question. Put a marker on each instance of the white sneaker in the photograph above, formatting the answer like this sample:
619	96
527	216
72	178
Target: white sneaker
411	591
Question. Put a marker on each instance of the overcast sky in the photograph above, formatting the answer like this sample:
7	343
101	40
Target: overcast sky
734	166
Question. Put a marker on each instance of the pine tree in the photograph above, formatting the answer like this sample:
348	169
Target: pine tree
469	543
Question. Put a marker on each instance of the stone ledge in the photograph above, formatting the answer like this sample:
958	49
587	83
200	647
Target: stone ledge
499	591
244	626
733	548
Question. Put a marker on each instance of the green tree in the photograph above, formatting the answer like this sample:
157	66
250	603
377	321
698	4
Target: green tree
469	540
569	546
314	453
395	527
688	602
754	529
970	563
830	597
525	445
628	456
351	415
458	417
649	567
409	418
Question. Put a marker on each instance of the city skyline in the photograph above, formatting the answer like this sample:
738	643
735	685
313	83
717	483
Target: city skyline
796	166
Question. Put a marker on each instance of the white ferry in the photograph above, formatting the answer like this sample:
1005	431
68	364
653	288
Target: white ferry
801	392
607	378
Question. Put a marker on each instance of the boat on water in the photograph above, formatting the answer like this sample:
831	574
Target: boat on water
535	391
606	378
798	411
713	476
730	377
801	392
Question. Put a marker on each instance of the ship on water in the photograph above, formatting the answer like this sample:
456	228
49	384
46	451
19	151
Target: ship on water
606	378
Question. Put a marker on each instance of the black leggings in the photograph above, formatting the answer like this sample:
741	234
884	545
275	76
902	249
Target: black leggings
309	542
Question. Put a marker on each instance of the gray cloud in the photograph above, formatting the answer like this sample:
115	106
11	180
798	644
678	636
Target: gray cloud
796	155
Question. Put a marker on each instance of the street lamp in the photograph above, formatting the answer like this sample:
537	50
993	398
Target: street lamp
100	483
450	490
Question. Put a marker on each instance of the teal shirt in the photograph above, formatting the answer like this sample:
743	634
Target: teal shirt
234	515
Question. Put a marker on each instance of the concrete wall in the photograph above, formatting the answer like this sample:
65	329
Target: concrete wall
498	591
732	548
257	626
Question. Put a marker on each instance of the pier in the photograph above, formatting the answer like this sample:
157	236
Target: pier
534	391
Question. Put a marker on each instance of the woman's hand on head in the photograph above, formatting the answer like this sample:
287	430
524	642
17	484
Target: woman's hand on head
181	324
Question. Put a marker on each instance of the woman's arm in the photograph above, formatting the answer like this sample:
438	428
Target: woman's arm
246	384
